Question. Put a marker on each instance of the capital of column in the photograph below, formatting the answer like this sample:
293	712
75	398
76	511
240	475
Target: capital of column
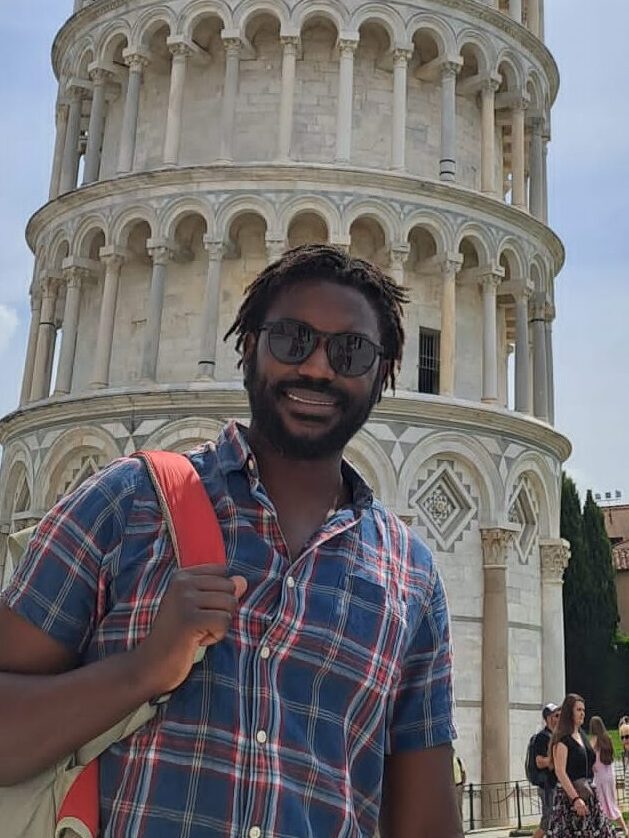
50	286
159	251
232	45
75	275
215	249
290	42
100	75
347	46
401	56
76	89
136	59
399	252
520	102
111	256
450	67
538	306
179	47
550	312
275	249
495	541
490	84
555	557
491	279
451	264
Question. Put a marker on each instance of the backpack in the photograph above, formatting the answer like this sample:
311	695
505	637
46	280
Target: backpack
536	776
64	800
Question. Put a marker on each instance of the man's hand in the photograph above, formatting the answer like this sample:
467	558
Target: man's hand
197	610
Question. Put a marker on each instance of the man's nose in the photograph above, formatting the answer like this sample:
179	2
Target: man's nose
317	365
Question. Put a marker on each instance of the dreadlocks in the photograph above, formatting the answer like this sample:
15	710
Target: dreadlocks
331	264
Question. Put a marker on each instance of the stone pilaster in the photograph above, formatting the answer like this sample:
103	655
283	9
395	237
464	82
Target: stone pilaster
398	257
536	189
113	261
160	254
46	338
447	347
290	44
136	61
522	351
554	559
180	52
208	338
233	47
447	163
347	48
488	137
100	76
62	112
73	276
518	141
31	349
495	760
490	282
401	58
540	362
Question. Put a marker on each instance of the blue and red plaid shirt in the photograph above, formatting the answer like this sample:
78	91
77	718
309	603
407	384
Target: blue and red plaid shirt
333	660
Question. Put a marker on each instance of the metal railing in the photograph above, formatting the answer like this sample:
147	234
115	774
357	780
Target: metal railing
488	805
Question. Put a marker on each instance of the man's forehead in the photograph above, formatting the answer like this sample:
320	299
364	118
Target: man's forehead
326	305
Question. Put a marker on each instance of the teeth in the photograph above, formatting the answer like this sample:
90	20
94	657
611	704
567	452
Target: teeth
301	400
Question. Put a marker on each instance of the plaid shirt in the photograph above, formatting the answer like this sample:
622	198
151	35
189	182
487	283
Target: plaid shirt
333	660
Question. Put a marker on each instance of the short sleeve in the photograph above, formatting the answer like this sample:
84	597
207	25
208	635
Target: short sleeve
542	741
421	711
57	584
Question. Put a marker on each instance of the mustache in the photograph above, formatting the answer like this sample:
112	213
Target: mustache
312	385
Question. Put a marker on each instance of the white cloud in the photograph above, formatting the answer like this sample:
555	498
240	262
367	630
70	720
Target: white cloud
9	322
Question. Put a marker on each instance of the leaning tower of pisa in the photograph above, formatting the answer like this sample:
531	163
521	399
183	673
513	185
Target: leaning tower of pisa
196	140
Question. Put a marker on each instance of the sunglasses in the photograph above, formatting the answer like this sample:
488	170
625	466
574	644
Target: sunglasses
624	737
350	354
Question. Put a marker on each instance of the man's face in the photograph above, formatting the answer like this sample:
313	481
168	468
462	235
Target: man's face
307	410
553	720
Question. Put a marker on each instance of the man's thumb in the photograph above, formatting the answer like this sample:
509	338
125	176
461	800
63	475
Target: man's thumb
241	585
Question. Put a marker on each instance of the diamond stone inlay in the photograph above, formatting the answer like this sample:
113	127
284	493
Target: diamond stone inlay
522	512
444	505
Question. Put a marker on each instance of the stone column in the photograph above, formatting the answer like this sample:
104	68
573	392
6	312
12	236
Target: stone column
46	337
398	134
517	154
290	44
61	114
208	339
495	764
536	194
73	277
71	147
230	94
398	256
515	10
136	61
447	164
179	67
545	180
522	352
447	342
490	283
540	370
488	140
550	387
534	17
99	76
275	248
554	559
346	100
113	261
160	254
31	349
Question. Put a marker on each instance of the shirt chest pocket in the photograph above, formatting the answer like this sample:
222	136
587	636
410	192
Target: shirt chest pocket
367	630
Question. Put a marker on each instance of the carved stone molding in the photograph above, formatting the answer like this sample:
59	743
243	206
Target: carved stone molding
495	542
555	557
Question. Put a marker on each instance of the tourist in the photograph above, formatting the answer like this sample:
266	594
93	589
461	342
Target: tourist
576	810
541	749
623	732
604	777
460	777
328	686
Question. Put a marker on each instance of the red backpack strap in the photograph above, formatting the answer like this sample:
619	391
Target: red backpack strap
189	514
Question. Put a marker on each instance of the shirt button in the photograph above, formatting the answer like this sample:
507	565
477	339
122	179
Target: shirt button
290	582
255	832
261	736
265	653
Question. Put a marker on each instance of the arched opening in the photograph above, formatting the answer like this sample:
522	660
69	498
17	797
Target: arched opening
368	241
469	117
423	317
504	119
423	134
131	308
113	58
307	228
315	108
245	256
373	97
257	114
154	95
201	119
469	320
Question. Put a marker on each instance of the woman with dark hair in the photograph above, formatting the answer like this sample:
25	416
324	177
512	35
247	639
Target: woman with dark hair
604	779
576	810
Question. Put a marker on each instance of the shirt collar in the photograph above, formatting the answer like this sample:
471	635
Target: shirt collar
234	454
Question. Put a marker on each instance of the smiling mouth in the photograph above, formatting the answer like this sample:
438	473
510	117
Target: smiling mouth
312	401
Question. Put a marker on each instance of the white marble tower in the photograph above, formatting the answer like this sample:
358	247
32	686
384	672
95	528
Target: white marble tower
197	139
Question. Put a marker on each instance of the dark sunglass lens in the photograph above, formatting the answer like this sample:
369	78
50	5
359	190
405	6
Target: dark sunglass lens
351	355
290	342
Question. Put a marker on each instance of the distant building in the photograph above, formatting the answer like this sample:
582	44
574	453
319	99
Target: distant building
617	526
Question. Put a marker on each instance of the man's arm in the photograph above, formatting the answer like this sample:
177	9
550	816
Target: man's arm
542	757
418	799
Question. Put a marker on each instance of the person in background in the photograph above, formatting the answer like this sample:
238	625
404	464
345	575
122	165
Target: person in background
623	732
576	810
550	714
604	778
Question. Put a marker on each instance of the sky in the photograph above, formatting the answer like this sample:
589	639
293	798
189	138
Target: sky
589	209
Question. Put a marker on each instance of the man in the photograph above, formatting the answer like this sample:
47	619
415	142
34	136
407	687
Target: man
324	703
550	715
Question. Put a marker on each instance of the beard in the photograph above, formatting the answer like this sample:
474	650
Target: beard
263	399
